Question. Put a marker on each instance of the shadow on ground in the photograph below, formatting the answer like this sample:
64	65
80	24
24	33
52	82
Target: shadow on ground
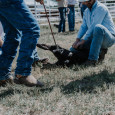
6	93
50	66
17	89
89	83
86	85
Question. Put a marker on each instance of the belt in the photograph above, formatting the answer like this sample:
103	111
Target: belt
71	5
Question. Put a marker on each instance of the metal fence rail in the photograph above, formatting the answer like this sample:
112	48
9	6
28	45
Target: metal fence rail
53	13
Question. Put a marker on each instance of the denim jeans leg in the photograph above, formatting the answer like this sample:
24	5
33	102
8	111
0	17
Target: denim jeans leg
102	38
64	19
35	54
71	18
62	11
24	21
28	43
9	48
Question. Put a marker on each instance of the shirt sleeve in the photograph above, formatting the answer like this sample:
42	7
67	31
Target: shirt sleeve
97	18
83	28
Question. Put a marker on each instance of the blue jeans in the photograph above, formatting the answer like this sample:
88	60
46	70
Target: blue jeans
62	11
36	57
102	38
22	29
71	18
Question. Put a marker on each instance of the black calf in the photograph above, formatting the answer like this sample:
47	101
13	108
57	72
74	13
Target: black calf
66	57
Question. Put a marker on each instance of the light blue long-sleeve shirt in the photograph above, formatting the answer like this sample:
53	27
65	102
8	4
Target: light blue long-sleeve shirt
99	14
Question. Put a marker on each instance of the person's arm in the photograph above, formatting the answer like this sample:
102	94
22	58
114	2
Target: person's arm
98	18
81	32
83	27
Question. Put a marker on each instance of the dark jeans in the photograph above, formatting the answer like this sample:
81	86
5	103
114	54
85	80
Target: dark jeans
62	11
20	27
71	18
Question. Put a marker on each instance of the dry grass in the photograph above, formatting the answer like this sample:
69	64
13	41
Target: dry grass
68	91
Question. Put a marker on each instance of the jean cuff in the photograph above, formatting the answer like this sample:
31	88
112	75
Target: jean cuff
7	76
23	74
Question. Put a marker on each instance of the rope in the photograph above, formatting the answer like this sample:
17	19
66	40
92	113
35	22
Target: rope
49	24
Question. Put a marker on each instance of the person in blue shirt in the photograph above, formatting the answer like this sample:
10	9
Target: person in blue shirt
97	30
20	28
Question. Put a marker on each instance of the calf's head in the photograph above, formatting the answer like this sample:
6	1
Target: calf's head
60	53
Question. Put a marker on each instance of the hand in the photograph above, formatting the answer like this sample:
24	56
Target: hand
78	44
68	10
75	43
41	1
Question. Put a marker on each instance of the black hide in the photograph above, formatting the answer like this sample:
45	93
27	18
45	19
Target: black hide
66	57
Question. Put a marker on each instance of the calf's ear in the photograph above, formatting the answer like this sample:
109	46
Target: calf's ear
43	46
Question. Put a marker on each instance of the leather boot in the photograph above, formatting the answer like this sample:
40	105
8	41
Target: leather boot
28	81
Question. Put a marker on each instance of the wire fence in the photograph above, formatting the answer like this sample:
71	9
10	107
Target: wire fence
53	13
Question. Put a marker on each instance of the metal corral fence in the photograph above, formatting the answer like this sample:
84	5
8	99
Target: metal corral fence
53	14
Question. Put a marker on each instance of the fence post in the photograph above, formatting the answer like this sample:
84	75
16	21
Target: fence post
49	10
35	9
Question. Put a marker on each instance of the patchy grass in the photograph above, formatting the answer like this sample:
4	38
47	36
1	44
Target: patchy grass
68	91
